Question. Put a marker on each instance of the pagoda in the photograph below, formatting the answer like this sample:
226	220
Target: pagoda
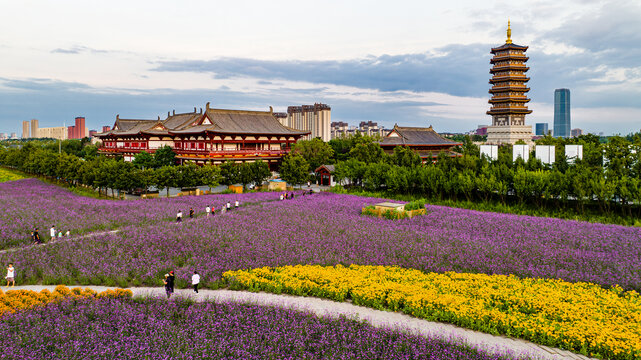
509	102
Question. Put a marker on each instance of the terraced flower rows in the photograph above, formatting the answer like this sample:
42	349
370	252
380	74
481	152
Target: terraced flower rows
578	316
326	229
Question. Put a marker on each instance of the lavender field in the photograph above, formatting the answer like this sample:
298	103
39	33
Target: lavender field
327	229
157	329
30	203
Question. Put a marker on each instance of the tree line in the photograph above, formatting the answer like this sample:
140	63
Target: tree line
147	170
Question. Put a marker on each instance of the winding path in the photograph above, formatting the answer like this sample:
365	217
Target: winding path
382	319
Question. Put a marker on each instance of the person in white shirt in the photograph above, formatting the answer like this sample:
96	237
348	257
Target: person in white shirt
223	210
179	216
68	233
207	210
236	204
52	232
195	280
228	205
10	276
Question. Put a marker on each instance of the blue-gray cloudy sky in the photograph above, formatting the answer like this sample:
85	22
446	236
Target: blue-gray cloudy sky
407	62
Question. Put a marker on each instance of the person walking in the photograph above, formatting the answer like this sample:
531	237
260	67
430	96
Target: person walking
213	210
228	205
36	236
207	210
236	204
195	280
68	233
60	234
191	213
172	280
165	281
10	275
179	216
52	232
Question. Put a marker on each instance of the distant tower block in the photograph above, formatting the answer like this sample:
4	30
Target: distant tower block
509	102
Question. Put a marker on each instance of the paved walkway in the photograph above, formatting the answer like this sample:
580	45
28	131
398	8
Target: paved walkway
382	319
10	250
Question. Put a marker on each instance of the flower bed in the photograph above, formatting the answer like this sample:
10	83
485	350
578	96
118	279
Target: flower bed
8	175
581	317
30	203
327	229
16	300
159	329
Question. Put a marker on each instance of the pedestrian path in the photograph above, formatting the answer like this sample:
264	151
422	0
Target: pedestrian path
89	235
382	319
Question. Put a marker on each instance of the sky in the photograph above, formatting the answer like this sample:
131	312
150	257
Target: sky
412	63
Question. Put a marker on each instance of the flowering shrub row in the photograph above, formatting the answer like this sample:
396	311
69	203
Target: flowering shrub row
15	300
581	317
159	329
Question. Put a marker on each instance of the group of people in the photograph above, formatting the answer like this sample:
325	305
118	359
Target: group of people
287	196
170	280
36	239
209	210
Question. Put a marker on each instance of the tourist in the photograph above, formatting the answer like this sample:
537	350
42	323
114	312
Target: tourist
36	236
207	210
228	205
195	280
309	183
52	232
236	204
292	195
68	233
167	287
172	280
311	191
213	210
281	197
286	196
60	234
33	239
179	216
10	275
191	213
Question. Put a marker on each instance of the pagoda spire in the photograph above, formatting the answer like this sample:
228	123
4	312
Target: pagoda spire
509	33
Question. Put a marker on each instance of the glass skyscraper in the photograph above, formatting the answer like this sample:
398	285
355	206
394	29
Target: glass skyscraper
541	129
562	113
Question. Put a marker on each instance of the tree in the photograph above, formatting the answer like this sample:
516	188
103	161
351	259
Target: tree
260	172
230	172
189	176
294	169
404	156
366	150
143	179
89	152
245	174
144	160
315	151
165	156
166	177
209	175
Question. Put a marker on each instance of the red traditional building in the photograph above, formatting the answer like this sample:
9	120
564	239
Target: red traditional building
425	141
210	137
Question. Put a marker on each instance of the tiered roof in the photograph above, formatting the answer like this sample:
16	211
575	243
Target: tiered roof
212	120
415	136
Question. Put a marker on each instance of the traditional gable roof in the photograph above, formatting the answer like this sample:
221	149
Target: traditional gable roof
414	136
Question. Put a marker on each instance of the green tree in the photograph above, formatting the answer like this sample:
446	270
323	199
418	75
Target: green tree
230	172
404	156
315	151
166	177
144	160
210	175
165	156
366	150
260	172
294	169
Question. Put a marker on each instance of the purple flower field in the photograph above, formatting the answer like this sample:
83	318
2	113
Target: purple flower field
158	329
30	203
327	229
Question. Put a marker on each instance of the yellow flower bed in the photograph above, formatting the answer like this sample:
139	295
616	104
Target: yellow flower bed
14	300
8	175
581	317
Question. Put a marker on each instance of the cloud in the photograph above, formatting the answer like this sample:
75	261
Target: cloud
79	49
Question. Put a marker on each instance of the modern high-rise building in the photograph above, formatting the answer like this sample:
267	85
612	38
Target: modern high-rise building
106	128
34	128
509	102
25	129
77	131
541	129
562	113
59	132
576	132
314	118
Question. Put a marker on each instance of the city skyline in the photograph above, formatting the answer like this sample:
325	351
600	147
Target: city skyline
408	62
